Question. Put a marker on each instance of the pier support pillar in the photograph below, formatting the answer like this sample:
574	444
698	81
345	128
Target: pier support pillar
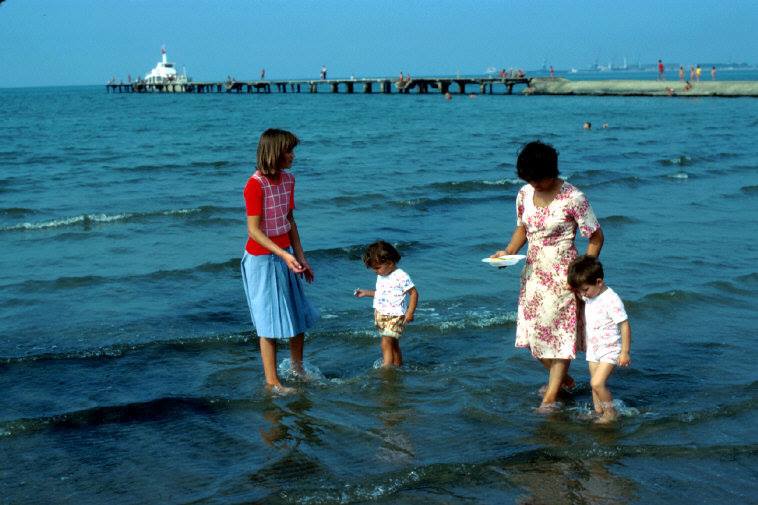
368	87
335	87
349	87
387	87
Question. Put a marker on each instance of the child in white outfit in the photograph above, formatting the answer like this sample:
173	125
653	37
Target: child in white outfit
607	329
395	298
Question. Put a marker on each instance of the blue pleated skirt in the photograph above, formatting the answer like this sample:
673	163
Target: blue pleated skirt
275	295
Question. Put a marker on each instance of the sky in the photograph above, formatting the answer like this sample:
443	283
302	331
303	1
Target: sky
84	42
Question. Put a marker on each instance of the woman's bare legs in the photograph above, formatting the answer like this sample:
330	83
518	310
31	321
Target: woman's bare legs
568	381
268	356
557	375
296	353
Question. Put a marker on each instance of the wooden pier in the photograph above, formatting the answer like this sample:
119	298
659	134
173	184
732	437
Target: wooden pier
422	85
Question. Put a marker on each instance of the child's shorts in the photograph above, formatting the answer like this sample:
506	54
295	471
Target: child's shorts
603	353
389	326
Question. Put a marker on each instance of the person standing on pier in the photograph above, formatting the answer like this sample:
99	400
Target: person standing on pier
713	73
274	263
323	72
681	73
661	69
263	74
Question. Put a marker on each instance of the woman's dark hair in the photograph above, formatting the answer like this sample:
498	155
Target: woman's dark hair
584	270
379	253
537	161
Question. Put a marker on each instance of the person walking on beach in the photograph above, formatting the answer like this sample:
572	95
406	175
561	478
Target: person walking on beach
609	336
549	211
395	299
661	69
274	263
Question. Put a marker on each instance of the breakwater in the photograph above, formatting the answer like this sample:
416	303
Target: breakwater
560	86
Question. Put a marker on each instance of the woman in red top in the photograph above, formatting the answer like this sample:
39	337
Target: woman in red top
274	264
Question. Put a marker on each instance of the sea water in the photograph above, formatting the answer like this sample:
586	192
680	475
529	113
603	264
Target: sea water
129	367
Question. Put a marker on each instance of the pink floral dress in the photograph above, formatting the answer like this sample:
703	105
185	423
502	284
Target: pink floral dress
547	310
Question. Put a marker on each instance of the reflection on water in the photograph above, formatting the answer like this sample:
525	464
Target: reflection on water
396	447
571	467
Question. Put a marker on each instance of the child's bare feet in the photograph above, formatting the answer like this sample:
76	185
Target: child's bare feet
279	390
549	408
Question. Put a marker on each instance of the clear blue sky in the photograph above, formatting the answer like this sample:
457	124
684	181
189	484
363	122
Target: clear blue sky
59	42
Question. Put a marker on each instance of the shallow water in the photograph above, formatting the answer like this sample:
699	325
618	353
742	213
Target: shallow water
129	366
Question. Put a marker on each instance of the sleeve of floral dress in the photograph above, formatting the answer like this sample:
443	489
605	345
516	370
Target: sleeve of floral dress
581	211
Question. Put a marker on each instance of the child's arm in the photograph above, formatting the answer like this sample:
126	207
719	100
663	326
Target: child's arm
518	239
362	293
412	302
254	232
626	343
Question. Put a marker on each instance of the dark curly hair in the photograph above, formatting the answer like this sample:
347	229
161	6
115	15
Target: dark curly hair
379	253
537	161
584	270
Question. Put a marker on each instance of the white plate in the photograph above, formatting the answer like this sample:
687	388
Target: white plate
504	261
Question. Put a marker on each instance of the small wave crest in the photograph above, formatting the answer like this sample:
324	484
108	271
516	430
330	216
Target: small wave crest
88	220
679	160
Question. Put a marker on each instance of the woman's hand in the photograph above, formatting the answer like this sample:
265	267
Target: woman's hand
362	293
497	254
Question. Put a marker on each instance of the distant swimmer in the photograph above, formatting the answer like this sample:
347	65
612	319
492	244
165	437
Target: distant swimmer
587	125
605	125
713	73
661	69
448	96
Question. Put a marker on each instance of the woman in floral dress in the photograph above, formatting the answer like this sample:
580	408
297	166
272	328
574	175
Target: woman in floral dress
549	211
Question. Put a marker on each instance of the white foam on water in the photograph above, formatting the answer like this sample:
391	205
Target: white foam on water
311	372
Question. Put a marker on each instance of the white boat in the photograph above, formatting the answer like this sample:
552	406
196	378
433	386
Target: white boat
165	73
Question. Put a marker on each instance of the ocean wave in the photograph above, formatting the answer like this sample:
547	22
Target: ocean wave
618	219
121	349
355	251
126	413
88	220
424	203
749	190
16	211
679	160
170	167
471	185
667	298
678	175
334	331
73	282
